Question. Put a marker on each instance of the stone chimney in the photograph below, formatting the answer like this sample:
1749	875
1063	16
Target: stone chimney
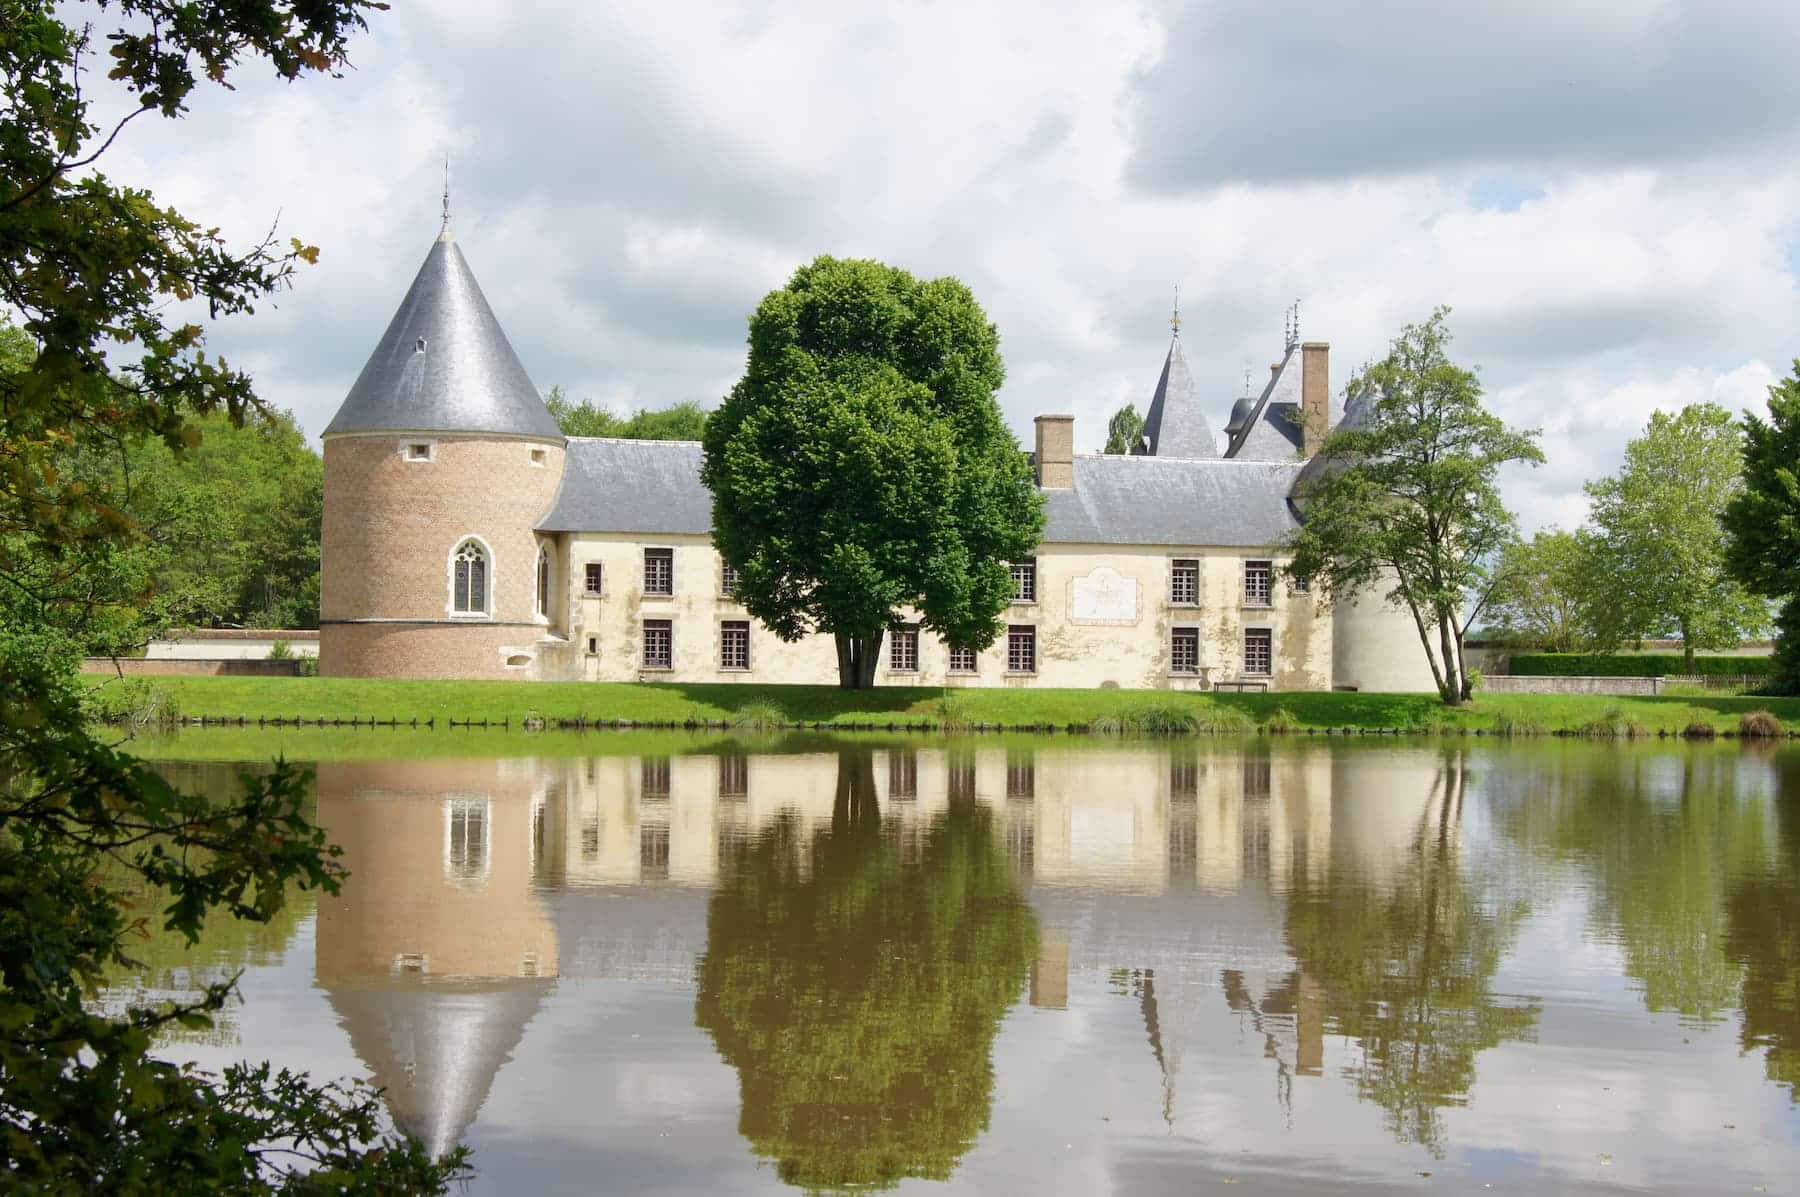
1056	452
1315	395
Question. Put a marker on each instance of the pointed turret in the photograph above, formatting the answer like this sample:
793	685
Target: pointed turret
1176	425
444	364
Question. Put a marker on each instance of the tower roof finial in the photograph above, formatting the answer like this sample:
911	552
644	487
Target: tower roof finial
445	227
1175	313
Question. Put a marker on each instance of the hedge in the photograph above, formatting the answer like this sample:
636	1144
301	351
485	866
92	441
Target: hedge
1635	665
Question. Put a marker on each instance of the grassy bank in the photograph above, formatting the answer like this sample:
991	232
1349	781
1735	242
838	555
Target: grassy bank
347	698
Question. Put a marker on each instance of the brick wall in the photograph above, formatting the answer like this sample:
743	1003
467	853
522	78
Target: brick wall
190	667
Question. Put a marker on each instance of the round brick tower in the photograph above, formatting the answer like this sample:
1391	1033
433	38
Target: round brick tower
438	467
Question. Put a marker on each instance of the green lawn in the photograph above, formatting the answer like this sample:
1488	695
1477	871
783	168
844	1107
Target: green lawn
346	698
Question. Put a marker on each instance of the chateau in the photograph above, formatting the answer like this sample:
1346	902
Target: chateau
466	537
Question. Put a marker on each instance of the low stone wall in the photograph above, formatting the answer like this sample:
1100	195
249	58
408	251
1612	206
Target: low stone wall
190	667
1504	684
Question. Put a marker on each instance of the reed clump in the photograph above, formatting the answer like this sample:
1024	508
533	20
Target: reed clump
953	713
759	716
1613	724
1282	722
1759	725
1699	729
1518	726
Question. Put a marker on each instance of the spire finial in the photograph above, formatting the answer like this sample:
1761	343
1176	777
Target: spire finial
1175	313
445	228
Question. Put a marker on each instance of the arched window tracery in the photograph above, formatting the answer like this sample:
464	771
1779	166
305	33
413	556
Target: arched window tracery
469	579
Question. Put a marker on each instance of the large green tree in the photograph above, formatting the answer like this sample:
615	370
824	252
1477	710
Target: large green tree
1550	592
97	276
857	994
1658	522
1763	520
684	421
861	466
1406	502
1124	430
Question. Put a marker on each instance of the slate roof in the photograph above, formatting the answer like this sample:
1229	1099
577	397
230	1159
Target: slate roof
1164	500
654	487
1272	433
444	364
612	485
1176	423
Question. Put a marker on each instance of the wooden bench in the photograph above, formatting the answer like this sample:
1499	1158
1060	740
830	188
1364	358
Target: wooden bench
1241	684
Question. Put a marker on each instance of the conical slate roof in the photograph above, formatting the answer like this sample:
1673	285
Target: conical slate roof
1176	424
444	364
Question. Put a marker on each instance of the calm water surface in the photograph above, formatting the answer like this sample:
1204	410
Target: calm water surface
1041	967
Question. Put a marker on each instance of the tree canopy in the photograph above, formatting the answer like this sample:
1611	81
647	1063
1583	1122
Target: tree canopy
1763	519
1550	592
1408	502
1124	430
861	467
858	998
99	278
684	421
1660	537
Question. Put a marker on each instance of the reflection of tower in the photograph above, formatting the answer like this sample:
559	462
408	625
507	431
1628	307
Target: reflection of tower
436	954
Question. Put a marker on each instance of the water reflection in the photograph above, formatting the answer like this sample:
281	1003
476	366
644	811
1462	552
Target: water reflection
1339	956
857	989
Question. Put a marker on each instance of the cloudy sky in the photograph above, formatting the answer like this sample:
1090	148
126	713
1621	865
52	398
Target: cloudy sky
1605	191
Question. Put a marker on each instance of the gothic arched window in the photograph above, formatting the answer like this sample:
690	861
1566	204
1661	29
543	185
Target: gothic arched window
469	579
543	582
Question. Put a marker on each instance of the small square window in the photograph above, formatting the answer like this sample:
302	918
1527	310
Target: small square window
1024	580
1259	651
659	571
1299	585
962	660
594	575
1021	649
659	644
1184	650
1257	579
734	644
418	451
539	457
903	649
1184	581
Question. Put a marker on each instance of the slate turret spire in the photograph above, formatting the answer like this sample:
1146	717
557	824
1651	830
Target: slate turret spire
444	364
1175	425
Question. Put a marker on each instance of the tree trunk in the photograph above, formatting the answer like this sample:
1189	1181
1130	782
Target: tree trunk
1452	685
855	805
857	657
1687	648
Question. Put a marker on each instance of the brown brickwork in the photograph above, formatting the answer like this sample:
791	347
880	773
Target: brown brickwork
390	528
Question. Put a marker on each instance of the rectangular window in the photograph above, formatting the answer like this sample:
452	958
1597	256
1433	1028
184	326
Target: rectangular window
1021	649
653	850
1184	650
593	646
729	581
1256	583
594	576
418	451
659	644
903	649
962	660
903	776
656	779
734	776
1299	585
1184	581
961	782
539	457
734	644
1024	580
1256	777
1021	778
1259	651
659	571
1184	779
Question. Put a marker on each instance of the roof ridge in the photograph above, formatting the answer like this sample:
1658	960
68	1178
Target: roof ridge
629	440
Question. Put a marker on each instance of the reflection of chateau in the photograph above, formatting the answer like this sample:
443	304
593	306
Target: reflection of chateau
474	884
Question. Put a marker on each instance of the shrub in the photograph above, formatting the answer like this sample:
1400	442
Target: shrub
1108	725
1699	729
281	650
1281	722
1635	665
309	666
1510	725
1759	724
759	716
954	713
1613	724
1224	721
1162	719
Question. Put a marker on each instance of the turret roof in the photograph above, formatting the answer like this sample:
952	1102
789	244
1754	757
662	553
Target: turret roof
1175	425
444	364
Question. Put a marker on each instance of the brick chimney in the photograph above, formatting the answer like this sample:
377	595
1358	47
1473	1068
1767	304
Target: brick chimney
1056	452
1315	395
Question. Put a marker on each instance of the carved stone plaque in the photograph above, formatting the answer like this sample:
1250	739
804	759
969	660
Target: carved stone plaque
1103	596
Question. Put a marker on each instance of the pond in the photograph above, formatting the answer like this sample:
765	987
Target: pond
688	965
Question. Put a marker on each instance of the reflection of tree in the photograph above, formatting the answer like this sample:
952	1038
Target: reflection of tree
858	997
1660	856
1404	964
1763	917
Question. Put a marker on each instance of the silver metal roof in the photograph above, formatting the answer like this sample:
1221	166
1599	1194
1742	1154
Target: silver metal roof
1171	501
1176	423
444	364
611	485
